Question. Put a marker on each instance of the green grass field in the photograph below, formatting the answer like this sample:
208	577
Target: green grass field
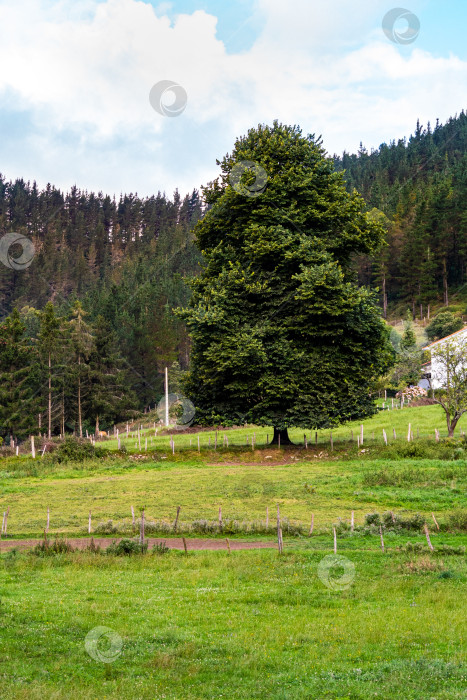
250	624
423	421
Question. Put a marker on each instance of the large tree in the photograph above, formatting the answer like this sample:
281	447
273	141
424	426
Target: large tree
449	374
17	399
81	346
282	335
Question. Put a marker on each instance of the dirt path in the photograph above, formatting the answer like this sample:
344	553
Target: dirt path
171	543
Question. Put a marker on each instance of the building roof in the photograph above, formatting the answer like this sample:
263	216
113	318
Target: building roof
462	330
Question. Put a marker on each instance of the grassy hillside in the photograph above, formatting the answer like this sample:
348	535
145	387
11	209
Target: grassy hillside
249	624
245	625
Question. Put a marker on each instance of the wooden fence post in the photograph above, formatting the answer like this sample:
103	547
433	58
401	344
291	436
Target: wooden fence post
385	437
436	522
48	518
220	517
141	534
427	535
89	523
5	529
408	434
279	533
33	448
312	523
176	519
381	535
228	544
335	540
184	545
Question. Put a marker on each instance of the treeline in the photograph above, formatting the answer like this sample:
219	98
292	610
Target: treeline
124	260
60	374
419	189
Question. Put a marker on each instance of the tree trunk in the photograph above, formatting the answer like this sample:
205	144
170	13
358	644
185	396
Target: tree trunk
445	283
80	422
285	440
385	298
50	398
451	424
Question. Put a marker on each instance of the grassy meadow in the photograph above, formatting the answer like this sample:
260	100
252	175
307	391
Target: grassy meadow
251	623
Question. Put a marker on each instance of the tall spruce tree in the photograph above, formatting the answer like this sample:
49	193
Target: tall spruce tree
110	398
282	335
50	346
81	346
17	400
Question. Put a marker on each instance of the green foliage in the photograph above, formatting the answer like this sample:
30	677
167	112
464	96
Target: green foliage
458	520
127	548
18	402
444	324
420	185
408	340
450	357
391	521
73	449
281	333
50	549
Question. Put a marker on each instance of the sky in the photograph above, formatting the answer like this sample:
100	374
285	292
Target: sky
77	76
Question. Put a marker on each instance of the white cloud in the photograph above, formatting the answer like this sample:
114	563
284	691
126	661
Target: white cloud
82	72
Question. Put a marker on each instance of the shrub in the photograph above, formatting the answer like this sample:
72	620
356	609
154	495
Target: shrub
92	547
58	546
444	324
392	521
160	549
458	520
372	519
127	548
107	528
446	549
74	449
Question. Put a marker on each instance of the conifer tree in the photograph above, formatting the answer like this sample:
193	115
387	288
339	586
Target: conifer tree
17	400
282	335
81	345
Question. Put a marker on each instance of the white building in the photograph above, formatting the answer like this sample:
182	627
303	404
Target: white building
433	371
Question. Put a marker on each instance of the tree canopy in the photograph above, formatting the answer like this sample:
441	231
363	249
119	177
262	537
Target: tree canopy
444	324
282	334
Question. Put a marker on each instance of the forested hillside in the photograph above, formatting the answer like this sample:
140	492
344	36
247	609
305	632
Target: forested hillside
420	185
125	260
